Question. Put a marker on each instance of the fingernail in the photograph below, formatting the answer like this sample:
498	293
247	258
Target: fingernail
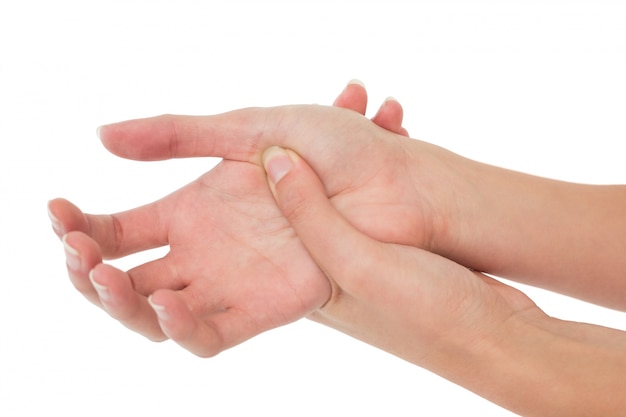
102	290
99	131
277	163
382	106
56	224
71	255
357	82
158	309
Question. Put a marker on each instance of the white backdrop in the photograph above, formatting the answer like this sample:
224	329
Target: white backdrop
536	86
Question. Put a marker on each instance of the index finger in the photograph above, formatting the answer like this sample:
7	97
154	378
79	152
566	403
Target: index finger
234	135
240	135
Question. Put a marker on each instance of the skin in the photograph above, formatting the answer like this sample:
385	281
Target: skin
435	313
387	188
223	305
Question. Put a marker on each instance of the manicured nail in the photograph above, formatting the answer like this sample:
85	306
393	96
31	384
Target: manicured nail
277	163
99	131
391	99
102	290
160	311
56	224
357	82
71	255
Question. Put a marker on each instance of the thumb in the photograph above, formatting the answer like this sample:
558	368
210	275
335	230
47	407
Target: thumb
336	246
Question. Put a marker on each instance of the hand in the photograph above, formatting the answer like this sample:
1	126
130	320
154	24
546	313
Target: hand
235	268
407	301
389	115
462	325
404	213
288	273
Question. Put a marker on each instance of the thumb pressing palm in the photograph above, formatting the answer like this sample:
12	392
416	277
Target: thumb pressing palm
404	300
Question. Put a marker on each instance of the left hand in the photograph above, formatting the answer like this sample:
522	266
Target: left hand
235	267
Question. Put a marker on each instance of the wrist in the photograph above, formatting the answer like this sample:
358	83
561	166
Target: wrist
561	236
539	365
453	198
495	218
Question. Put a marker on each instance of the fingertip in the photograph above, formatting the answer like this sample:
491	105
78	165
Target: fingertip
395	107
85	251
99	132
115	289
390	115
392	107
101	289
81	255
119	299
277	163
128	139
353	97
159	309
178	323
57	227
174	315
357	82
341	250
297	192
66	217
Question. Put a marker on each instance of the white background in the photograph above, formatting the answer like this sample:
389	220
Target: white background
536	86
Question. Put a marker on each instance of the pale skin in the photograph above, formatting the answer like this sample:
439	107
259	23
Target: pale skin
386	187
259	241
460	324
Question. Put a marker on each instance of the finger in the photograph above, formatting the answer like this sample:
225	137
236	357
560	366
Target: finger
340	250
204	337
119	298
180	325
390	116
239	135
117	234
160	273
353	97
66	217
107	287
233	135
82	255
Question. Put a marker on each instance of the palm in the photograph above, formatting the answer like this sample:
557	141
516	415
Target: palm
367	177
230	248
235	263
365	168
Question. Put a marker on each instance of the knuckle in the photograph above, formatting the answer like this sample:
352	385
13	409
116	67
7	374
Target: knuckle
116	233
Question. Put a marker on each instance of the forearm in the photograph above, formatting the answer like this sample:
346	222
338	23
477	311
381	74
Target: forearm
437	314
531	364
570	238
545	367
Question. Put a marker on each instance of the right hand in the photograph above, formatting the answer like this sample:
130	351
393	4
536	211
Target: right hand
404	300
